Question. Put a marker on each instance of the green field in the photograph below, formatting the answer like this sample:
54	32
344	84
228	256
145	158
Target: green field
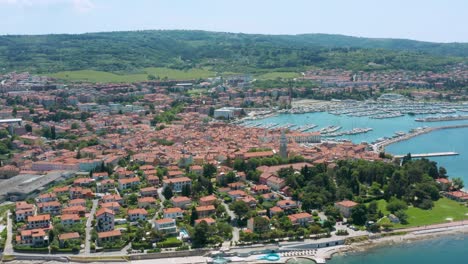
443	209
106	77
275	75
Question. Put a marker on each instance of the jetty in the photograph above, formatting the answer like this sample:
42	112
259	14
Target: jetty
380	146
427	155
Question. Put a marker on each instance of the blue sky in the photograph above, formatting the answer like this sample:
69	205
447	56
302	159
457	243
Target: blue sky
429	20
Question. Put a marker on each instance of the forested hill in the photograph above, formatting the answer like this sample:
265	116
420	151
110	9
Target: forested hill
180	49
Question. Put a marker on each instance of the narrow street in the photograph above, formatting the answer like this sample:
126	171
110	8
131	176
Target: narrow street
235	229
8	244
87	249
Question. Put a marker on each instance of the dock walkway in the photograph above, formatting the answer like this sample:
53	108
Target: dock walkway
427	155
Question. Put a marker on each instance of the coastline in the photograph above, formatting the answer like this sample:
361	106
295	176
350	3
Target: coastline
398	239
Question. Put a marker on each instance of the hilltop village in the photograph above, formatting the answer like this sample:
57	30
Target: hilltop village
159	165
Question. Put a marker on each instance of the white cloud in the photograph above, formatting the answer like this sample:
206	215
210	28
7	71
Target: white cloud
77	5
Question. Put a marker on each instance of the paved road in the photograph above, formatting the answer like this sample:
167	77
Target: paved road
235	230
8	245
160	194
89	228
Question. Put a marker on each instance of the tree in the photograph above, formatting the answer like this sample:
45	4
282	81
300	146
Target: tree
28	128
261	224
209	169
396	205
167	192
186	190
75	126
132	199
406	159
193	216
53	134
359	214
442	172
457	183
240	208
200	235
402	216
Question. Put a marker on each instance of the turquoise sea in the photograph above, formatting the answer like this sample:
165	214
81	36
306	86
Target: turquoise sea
438	141
448	249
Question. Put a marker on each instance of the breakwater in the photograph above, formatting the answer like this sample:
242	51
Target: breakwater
380	146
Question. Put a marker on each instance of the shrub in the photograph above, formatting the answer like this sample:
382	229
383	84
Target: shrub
170	242
342	232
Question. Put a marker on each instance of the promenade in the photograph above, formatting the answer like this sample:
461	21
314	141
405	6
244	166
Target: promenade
380	146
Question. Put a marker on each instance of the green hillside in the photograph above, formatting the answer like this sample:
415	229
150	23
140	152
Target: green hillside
130	54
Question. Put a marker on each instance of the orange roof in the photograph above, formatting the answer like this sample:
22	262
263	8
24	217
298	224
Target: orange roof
208	198
112	233
205	208
65	217
179	199
44	217
104	211
173	210
164	221
71	235
146	200
347	203
137	211
208	220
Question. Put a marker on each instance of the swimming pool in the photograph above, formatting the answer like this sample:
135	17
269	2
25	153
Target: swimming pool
270	257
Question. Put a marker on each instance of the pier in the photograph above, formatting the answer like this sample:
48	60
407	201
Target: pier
379	147
427	155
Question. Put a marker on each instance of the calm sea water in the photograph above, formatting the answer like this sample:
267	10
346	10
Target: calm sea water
438	141
450	249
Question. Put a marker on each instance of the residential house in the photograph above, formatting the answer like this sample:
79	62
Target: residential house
166	225
261	188
177	184
70	219
173	213
112	198
105	185
146	202
205	211
105	220
39	221
68	237
345	207
78	209
181	201
128	183
34	237
208	220
153	180
108	236
275	183
275	210
52	208
208	200
287	204
149	192
234	195
23	210
300	219
77	202
137	214
46	197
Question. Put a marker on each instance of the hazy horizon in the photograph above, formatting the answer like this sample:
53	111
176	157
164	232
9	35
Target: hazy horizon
429	20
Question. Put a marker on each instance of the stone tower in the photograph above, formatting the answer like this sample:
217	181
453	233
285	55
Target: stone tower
283	151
